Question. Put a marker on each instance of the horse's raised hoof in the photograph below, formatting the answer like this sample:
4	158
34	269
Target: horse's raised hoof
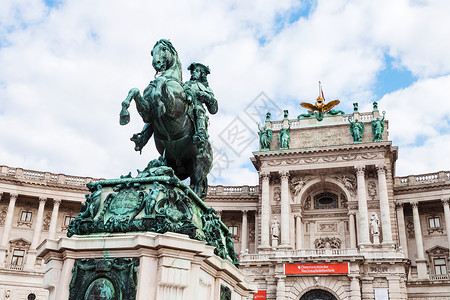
124	117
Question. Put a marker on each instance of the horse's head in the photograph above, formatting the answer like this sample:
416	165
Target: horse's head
165	56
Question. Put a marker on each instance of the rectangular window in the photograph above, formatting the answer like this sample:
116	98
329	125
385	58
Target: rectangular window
233	230
434	222
439	266
17	258
67	220
25	216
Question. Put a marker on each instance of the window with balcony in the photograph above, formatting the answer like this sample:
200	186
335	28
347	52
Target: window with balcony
440	267
434	224
67	220
233	230
17	258
25	216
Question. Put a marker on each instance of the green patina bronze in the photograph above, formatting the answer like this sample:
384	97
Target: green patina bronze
378	128
104	279
173	112
155	200
265	137
356	130
285	137
225	293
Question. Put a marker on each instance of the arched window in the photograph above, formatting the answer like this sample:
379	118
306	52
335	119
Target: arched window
325	201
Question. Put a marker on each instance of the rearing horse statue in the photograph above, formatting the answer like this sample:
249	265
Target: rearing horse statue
165	111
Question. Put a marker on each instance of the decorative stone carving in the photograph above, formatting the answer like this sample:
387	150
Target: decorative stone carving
22	244
349	182
326	242
372	189
297	183
251	232
379	269
410	227
328	227
277	195
47	220
307	203
3	212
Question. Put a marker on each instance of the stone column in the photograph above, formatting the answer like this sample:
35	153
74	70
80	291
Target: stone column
31	257
7	229
445	203
38	226
54	220
402	228
257	214
281	287
285	209
384	206
8	220
265	212
298	231
355	288
420	260
364	239
244	244
352	229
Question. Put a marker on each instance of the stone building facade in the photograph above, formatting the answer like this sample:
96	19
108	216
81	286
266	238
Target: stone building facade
328	220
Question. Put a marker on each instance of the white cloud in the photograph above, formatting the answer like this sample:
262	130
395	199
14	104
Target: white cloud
65	71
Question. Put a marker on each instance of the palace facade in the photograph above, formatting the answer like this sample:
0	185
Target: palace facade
328	220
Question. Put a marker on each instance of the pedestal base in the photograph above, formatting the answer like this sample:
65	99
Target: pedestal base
167	266
274	243
376	240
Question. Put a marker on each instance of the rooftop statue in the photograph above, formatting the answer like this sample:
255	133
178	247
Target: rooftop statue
173	112
356	130
378	128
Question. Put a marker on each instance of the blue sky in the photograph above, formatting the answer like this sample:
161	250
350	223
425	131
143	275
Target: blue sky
67	65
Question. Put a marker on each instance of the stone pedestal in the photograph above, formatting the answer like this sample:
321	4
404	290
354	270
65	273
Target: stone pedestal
166	266
376	239
274	242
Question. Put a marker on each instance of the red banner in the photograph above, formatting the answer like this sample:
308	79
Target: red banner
331	268
260	295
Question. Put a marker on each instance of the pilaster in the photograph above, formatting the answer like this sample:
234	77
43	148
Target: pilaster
384	206
285	209
402	228
420	259
244	244
7	229
54	220
364	239
265	211
445	204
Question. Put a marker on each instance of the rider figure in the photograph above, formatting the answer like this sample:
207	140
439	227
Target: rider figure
198	92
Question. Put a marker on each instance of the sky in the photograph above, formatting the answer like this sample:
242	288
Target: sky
65	67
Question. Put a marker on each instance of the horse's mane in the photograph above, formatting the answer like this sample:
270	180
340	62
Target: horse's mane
176	68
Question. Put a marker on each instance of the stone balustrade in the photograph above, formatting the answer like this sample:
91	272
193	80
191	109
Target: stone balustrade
302	253
45	177
233	190
439	277
322	252
442	176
